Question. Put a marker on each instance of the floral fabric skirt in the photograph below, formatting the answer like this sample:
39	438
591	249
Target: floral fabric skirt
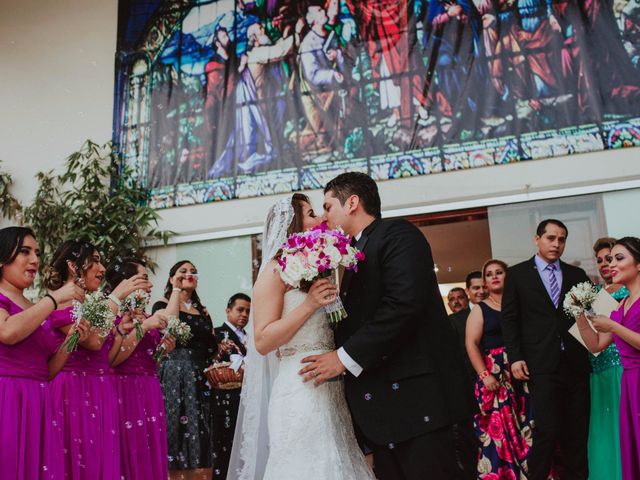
503	425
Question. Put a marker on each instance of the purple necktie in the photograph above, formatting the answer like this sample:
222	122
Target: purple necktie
553	284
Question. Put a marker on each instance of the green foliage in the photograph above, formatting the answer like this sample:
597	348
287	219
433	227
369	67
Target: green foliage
95	200
10	208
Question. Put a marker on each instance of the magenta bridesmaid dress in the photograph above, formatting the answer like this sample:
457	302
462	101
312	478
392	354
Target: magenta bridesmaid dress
84	396
630	393
143	426
30	441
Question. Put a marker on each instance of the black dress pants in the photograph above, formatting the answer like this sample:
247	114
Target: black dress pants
560	404
430	456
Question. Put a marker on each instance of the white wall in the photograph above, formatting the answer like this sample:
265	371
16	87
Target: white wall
56	86
623	213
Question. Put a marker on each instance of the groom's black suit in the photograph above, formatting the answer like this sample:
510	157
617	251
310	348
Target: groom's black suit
414	385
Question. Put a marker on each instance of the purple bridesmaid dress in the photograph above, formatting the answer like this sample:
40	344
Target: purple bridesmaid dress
30	441
630	394
84	395
143	426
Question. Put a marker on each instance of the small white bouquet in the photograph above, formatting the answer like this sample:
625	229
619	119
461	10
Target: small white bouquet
579	300
137	300
178	330
96	311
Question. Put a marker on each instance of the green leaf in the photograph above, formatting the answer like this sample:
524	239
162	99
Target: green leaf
96	198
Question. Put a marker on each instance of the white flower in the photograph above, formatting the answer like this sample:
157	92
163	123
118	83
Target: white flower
294	271
579	299
334	256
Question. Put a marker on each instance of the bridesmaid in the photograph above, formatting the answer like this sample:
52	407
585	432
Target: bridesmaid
604	431
623	328
84	393
187	397
143	426
503	425
29	442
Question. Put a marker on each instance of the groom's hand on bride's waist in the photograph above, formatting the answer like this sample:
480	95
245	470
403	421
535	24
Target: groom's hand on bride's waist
321	368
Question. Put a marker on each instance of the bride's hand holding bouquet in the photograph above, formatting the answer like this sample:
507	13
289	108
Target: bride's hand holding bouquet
321	293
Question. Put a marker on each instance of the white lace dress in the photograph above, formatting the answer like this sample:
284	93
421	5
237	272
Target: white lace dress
310	431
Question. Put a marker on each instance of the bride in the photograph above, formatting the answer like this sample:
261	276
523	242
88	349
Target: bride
288	429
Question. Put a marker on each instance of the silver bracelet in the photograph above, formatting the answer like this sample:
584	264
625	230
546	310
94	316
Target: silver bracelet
114	299
176	289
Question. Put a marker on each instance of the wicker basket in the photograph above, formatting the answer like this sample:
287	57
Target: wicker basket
222	377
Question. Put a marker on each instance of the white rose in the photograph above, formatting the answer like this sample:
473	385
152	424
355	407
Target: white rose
293	271
334	256
350	257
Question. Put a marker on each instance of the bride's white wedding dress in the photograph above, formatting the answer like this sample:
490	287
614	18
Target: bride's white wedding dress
310	431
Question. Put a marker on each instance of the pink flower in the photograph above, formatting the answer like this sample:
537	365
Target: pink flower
504	452
505	473
490	476
502	394
495	427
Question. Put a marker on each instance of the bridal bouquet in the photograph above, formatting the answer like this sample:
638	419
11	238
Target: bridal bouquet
317	253
178	330
96	310
136	300
579	299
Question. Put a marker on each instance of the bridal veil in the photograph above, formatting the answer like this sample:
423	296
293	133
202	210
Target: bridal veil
251	440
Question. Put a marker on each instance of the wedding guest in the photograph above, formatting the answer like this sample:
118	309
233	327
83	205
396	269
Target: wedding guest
142	422
457	299
459	304
543	352
503	426
186	396
623	328
606	374
227	402
84	392
29	441
476	289
466	442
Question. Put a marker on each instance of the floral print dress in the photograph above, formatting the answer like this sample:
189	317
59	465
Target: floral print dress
503	424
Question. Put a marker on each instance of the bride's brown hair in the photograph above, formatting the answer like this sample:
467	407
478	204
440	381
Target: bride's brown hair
298	214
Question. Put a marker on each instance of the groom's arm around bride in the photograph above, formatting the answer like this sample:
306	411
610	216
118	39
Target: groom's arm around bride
407	385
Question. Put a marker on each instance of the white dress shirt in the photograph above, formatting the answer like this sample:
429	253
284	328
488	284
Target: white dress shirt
239	332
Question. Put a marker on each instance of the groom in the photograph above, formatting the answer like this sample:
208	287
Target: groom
405	381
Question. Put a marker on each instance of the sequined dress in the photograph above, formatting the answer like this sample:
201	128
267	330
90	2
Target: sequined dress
187	398
604	429
310	430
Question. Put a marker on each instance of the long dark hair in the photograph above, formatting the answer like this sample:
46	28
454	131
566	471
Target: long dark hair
298	214
119	270
78	252
11	241
197	304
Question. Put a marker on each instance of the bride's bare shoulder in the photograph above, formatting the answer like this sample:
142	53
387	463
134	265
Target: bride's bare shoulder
269	279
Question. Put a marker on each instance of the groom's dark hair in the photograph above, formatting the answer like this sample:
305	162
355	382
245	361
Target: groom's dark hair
356	183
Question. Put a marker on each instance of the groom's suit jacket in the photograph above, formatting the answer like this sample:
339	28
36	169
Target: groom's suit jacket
413	379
